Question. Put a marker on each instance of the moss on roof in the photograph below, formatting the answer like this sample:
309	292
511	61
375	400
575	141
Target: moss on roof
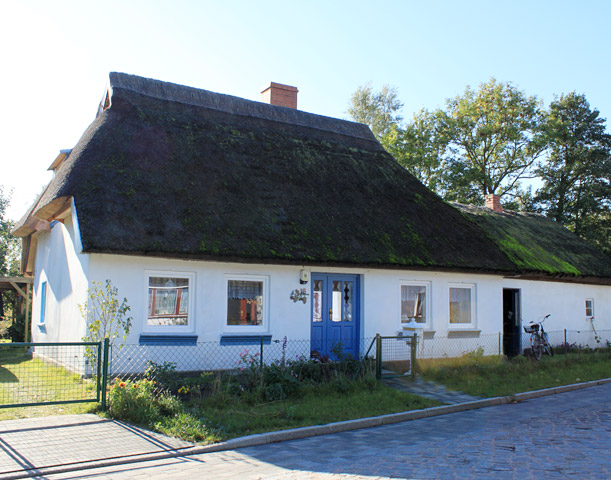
538	244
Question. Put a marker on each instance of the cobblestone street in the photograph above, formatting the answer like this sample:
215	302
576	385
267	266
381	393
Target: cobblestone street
567	435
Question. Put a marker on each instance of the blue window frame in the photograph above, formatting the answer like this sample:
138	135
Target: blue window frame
43	301
43	306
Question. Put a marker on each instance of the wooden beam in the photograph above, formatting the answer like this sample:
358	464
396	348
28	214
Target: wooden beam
19	290
23	280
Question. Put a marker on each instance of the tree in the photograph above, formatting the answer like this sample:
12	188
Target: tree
9	252
576	188
105	316
419	147
379	110
494	141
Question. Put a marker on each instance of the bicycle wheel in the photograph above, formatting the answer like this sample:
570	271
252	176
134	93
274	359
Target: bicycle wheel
548	349
537	348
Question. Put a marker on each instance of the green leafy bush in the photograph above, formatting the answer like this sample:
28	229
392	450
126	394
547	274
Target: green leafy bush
141	403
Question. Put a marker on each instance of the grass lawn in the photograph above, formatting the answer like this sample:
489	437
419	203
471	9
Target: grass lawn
316	405
494	376
24	379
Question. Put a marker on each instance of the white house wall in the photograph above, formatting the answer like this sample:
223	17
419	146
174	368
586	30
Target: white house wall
65	274
380	296
565	302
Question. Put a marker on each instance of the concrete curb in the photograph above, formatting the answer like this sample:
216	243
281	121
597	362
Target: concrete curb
304	432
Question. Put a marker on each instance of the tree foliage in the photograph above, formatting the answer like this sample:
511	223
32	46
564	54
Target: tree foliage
494	141
106	317
419	147
379	110
9	253
491	139
576	178
9	244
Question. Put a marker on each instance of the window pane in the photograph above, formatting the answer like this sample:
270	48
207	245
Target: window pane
317	301
413	303
244	302
337	302
43	301
348	300
589	307
460	305
168	301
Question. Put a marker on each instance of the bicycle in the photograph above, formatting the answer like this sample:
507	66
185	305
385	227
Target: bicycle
539	341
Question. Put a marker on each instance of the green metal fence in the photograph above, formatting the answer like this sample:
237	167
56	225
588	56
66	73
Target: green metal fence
34	374
395	356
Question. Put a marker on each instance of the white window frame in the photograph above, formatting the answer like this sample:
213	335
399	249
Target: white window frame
464	326
248	329
428	325
170	329
591	300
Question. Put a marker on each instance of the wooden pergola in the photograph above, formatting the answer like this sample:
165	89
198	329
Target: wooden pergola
20	285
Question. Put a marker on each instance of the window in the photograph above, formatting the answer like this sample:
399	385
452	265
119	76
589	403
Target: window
170	302
43	301
415	304
462	306
589	307
246	303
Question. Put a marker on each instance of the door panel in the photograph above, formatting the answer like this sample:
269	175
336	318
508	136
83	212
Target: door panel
512	329
334	319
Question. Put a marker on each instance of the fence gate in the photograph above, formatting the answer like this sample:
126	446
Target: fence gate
395	356
52	373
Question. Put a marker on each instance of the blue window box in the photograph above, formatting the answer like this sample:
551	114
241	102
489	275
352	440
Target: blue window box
168	339
246	339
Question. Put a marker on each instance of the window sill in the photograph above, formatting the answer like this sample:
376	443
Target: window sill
168	340
458	331
248	339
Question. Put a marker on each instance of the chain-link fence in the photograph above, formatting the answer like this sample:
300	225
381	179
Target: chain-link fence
465	343
39	373
48	373
134	359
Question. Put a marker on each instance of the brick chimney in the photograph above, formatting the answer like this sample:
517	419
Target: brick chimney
278	94
493	202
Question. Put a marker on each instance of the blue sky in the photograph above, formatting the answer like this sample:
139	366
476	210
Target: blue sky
56	57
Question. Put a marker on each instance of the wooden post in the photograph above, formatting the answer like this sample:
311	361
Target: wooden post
413	354
26	334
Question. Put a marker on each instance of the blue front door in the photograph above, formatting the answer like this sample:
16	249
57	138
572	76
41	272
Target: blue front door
335	315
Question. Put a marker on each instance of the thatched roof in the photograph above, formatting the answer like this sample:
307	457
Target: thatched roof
538	245
174	171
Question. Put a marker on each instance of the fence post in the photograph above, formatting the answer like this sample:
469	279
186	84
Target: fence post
98	372
261	354
105	372
500	340
413	354
378	356
566	348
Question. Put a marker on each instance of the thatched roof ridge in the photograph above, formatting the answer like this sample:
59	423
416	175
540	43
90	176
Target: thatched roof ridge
234	105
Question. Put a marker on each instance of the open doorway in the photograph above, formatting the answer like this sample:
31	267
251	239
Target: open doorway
511	322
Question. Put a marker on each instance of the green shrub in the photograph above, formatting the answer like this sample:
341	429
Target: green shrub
163	374
133	402
138	402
